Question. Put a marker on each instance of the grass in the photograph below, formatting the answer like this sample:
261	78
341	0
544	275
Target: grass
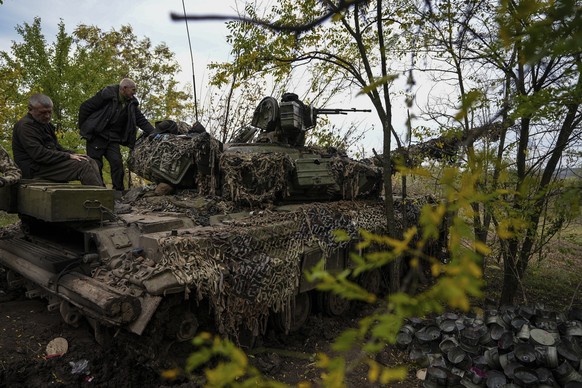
7	219
553	279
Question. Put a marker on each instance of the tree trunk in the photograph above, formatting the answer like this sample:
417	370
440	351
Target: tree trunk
516	261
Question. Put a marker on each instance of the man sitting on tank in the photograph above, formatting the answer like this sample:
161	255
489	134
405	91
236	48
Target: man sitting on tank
9	171
38	153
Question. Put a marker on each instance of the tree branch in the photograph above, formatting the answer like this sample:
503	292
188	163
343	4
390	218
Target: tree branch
276	26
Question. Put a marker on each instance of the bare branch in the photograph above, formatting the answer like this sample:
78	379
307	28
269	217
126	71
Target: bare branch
276	26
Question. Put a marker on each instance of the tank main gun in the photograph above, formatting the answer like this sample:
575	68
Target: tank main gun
445	148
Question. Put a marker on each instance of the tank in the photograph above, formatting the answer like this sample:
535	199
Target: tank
218	239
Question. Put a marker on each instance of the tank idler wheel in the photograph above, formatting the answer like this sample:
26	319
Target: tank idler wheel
69	313
332	304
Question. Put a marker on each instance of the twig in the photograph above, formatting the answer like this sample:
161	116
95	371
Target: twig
574	295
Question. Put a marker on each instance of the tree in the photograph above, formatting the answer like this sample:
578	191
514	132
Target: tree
534	93
547	98
152	68
74	67
348	52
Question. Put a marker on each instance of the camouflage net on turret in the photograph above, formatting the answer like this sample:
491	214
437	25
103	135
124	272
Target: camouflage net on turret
256	178
252	265
167	158
349	174
259	178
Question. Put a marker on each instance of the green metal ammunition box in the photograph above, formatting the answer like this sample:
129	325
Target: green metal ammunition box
313	172
61	202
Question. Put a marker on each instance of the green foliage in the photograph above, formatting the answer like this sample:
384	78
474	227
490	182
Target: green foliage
75	66
229	365
542	27
7	219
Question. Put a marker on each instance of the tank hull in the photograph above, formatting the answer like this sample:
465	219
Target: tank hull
233	272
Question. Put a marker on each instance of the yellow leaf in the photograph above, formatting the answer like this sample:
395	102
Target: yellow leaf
170	374
323	360
474	270
435	269
482	248
374	371
393	374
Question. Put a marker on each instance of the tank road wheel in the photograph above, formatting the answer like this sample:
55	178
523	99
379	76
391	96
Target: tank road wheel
188	328
332	304
371	281
300	310
182	327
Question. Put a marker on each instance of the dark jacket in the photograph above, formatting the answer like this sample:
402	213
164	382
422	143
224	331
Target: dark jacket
35	144
95	113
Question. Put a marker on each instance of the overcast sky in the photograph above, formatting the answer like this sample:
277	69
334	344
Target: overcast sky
151	18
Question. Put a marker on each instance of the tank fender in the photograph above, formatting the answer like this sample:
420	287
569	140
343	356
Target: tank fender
149	305
162	283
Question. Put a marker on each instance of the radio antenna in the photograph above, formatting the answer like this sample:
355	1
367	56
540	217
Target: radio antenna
191	60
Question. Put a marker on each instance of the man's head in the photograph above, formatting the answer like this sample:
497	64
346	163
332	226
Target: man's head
127	88
40	108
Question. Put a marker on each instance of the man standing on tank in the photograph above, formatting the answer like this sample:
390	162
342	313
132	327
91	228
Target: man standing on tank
109	119
38	153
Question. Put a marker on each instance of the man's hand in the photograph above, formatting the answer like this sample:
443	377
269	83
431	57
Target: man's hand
79	157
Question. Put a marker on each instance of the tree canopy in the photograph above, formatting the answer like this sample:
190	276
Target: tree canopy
74	66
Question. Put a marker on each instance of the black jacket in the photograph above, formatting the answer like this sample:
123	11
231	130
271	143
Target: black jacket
34	145
95	113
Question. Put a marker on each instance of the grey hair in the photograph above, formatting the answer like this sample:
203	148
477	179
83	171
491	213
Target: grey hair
38	99
126	82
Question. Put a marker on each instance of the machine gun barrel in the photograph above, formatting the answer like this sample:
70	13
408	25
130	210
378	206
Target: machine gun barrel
338	111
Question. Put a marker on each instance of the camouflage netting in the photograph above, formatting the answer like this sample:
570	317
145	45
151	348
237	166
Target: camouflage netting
167	158
251	178
349	175
252	265
445	148
256	178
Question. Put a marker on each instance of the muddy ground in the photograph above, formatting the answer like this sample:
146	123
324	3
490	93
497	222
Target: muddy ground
26	328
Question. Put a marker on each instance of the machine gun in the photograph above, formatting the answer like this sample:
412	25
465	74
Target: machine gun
336	111
286	122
